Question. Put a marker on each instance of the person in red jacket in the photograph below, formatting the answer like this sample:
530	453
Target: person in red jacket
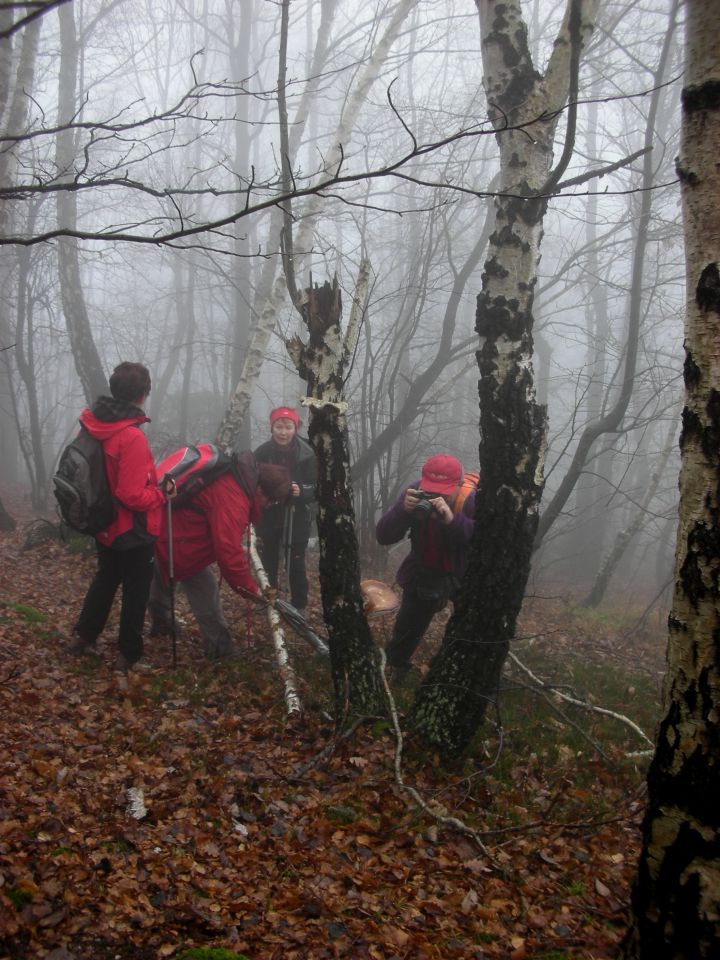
125	549
211	529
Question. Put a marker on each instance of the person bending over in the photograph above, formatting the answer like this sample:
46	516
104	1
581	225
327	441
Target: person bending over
212	528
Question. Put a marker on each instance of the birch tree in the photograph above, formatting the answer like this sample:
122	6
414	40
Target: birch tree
465	673
675	897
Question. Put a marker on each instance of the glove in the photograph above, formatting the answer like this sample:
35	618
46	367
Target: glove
168	487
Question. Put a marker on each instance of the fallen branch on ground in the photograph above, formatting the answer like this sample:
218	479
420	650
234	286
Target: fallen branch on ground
580	703
453	822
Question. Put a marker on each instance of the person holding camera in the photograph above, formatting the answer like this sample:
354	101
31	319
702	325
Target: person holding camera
438	515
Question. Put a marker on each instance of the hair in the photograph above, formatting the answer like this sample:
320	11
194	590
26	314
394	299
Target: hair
274	481
130	381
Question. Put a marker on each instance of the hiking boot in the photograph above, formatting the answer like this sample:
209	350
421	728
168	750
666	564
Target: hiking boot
123	665
79	646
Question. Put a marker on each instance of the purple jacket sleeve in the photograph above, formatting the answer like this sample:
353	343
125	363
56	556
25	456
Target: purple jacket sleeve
394	524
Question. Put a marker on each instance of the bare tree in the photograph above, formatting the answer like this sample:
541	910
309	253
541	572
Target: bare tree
322	362
87	359
674	901
465	673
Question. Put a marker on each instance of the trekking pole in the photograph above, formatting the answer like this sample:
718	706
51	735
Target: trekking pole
171	579
288	546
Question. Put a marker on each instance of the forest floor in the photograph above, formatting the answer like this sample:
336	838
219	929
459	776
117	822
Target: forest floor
244	839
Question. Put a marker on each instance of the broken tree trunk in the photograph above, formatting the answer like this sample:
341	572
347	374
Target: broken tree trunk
322	363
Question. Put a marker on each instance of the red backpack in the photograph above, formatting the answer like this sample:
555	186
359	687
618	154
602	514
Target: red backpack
193	468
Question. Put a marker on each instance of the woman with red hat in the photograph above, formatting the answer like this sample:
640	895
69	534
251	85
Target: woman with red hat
438	512
287	526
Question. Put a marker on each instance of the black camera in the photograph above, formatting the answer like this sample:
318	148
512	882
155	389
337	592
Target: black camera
423	508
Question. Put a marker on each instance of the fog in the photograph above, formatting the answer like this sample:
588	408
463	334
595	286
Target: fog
150	188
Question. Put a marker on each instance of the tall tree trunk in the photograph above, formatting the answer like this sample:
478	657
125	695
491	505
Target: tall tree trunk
465	674
589	538
85	354
25	359
241	317
675	897
322	363
13	112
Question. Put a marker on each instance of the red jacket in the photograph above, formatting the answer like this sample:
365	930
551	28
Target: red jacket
130	472
212	529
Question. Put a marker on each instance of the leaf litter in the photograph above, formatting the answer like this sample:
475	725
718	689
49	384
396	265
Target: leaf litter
142	818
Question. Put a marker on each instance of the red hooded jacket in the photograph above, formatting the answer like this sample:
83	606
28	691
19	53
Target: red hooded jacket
211	529
130	472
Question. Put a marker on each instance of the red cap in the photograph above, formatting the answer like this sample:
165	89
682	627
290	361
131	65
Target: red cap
286	413
441	474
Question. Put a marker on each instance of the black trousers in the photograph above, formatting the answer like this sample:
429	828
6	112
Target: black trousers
133	570
270	552
413	618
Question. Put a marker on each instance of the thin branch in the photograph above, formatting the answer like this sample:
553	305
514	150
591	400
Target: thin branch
43	8
453	822
581	703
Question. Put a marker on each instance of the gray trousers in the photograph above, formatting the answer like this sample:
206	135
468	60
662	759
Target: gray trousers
203	595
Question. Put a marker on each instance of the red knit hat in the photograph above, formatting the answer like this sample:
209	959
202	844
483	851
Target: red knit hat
286	413
441	474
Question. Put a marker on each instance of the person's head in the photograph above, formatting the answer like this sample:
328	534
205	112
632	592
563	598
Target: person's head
274	483
284	423
130	382
442	476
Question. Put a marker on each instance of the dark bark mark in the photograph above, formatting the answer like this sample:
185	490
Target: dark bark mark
701	562
685	175
705	96
497	316
704	432
667	905
515	55
691	372
707	294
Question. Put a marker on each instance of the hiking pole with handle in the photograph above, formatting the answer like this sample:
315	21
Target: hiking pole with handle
288	528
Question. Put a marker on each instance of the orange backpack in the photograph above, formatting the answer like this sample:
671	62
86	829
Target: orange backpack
469	484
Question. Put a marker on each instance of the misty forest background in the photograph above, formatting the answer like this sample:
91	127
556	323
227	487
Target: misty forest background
199	186
165	118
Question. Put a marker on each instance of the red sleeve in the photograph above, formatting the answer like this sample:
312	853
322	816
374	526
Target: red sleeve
228	513
136	486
